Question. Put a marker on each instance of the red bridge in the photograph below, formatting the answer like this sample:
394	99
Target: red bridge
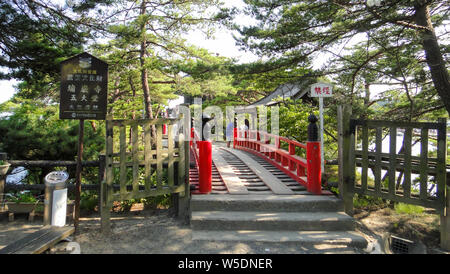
257	163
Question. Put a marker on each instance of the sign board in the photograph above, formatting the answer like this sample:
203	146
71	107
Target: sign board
321	90
84	88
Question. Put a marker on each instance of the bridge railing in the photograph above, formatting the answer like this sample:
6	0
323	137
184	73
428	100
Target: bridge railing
194	146
202	151
268	146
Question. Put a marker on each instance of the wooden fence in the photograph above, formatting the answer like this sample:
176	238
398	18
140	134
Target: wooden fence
400	164
144	168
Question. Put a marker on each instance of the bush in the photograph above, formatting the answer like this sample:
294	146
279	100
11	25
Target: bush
88	201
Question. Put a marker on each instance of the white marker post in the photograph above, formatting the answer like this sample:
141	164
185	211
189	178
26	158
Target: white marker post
321	90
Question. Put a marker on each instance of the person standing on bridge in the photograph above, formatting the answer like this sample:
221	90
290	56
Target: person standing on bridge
230	132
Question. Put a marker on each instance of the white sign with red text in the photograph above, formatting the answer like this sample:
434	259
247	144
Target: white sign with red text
321	90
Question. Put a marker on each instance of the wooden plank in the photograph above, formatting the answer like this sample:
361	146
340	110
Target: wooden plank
170	169
106	188
441	172
398	124
181	161
340	151
392	160
275	184
39	241
164	190
141	154
432	162
365	157
407	164
159	160
141	122
423	163
378	150
148	156
347	153
123	160
231	180
134	151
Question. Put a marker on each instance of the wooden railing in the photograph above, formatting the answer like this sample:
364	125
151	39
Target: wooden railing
404	162
143	168
39	186
268	146
397	183
194	146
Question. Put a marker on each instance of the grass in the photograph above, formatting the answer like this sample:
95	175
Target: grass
402	208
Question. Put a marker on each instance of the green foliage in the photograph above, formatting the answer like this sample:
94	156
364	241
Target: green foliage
360	47
367	202
88	201
22	197
36	36
402	208
33	131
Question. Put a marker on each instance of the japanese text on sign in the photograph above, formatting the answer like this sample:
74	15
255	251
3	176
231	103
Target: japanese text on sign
321	90
83	88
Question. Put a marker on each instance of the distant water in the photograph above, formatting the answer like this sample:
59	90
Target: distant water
415	151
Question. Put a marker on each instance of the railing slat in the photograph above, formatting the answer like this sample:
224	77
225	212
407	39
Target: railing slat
170	152
135	148
123	160
407	164
378	150
365	157
159	163
392	160
441	156
148	156
423	163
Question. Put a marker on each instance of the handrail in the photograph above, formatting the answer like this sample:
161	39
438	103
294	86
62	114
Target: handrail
194	147
259	143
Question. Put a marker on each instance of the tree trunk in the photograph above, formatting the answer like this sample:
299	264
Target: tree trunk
144	75
144	72
435	61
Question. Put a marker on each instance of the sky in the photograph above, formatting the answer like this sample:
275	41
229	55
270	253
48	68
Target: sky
223	44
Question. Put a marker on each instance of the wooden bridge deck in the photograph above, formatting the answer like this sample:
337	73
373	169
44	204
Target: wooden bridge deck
238	172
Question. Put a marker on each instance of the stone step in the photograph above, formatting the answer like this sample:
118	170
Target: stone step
287	221
348	238
272	203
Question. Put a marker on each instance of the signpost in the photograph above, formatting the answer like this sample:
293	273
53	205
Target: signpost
321	90
83	95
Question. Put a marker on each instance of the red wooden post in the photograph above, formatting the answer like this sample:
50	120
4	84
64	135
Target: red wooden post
300	170
313	157
258	139
314	174
278	146
205	166
291	152
235	135
192	136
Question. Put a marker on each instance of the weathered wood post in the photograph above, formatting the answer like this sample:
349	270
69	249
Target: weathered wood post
106	190
313	157
183	206
101	177
345	162
442	183
3	157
